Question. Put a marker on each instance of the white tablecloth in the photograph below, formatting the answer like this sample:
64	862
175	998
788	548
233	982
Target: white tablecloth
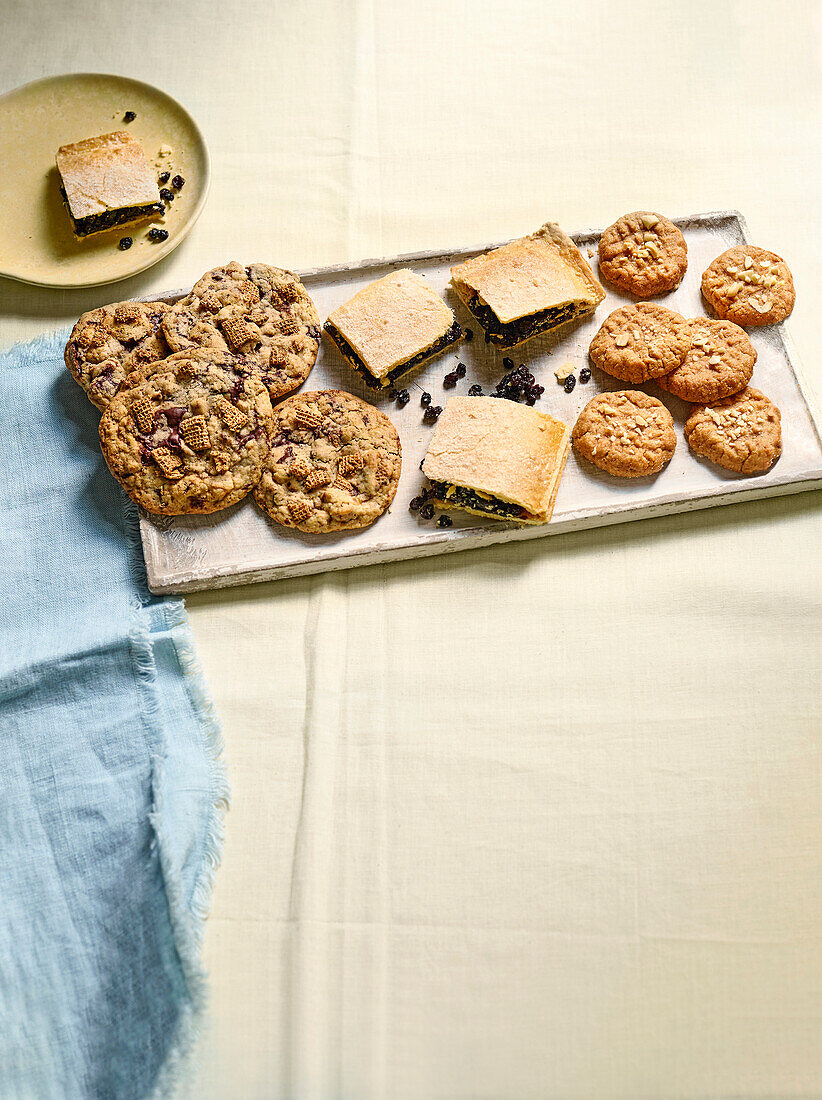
542	821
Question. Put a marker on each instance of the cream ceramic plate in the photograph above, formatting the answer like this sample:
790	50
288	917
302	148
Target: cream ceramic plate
36	241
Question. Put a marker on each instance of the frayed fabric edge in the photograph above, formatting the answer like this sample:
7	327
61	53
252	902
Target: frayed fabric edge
187	915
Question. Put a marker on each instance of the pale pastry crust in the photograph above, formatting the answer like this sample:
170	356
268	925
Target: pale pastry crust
391	320
108	172
501	448
534	273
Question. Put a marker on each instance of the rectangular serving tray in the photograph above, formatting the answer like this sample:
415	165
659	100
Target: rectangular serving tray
241	544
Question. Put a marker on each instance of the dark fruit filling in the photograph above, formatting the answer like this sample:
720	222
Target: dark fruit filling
403	397
585	375
450	380
431	414
506	335
469	499
427	511
475	391
460	370
163	177
129	116
166	195
125	243
570	382
425	399
178	182
469	336
155	234
451	337
445	521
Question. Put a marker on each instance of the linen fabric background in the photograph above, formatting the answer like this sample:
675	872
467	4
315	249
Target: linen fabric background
530	822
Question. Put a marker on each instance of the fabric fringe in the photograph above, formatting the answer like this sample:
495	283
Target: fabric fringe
187	915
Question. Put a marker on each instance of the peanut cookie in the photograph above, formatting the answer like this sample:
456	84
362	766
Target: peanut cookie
108	343
720	362
334	463
742	433
749	286
188	434
640	342
258	312
626	433
644	254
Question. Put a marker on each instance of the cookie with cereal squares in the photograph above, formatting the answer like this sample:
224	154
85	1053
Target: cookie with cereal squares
333	465
108	343
188	434
743	433
749	286
644	254
626	433
639	342
259	313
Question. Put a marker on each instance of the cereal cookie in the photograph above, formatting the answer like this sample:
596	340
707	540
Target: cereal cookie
720	362
644	254
749	286
109	342
334	463
189	434
742	433
640	342
259	313
626	433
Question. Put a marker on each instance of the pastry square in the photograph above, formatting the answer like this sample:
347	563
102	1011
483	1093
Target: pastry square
106	181
391	326
529	286
497	458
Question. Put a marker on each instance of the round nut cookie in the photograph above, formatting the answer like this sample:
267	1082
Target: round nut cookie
644	254
259	312
334	463
626	433
108	343
188	434
640	342
749	286
743	433
720	363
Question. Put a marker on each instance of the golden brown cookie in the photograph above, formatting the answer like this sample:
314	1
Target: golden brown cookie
189	435
720	363
626	433
749	286
334	463
644	254
108	343
257	313
743	433
640	342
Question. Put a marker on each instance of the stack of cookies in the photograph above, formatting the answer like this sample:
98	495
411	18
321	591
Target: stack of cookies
188	397
706	362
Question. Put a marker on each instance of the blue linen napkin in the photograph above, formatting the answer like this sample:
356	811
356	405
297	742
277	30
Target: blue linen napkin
111	784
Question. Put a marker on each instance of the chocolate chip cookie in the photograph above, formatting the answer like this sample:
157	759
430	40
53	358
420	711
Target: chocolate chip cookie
258	312
108	343
644	254
188	434
640	342
626	433
743	433
749	286
720	363
333	465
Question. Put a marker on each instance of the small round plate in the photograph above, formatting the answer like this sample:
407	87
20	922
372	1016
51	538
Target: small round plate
37	244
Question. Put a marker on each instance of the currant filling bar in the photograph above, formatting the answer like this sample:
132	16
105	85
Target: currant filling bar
532	285
497	458
391	326
106	182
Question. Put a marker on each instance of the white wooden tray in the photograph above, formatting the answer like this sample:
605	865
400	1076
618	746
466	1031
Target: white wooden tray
240	544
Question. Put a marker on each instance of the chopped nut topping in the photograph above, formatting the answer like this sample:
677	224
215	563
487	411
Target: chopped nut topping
715	360
563	371
748	262
733	289
621	341
649	220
